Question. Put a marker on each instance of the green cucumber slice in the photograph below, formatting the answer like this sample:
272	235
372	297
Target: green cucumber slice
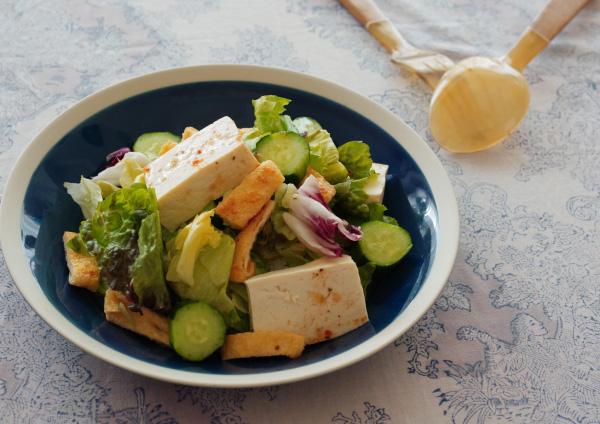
384	244
288	150
151	143
196	331
306	126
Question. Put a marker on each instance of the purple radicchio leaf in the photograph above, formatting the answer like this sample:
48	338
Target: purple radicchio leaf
115	157
315	224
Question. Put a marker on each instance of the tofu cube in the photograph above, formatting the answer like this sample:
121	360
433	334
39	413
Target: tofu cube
201	168
375	186
320	300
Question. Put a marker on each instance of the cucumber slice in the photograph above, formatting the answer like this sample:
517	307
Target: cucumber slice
306	126
384	244
288	150
151	143
196	331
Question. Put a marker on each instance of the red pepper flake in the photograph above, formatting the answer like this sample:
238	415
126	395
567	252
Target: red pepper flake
199	151
196	162
328	334
146	169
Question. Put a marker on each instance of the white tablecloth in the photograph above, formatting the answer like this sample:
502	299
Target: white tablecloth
515	337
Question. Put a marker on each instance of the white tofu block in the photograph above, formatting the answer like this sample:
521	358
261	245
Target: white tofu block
375	186
199	169
320	300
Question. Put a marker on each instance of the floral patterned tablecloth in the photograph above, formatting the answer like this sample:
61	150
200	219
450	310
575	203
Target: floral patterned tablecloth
515	336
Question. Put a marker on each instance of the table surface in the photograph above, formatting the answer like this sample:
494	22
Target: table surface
515	336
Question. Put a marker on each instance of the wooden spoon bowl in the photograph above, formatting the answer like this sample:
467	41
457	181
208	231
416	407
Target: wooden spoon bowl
477	104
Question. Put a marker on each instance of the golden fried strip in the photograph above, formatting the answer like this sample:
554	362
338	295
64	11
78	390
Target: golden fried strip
147	323
83	269
255	190
243	267
325	188
262	343
188	132
166	147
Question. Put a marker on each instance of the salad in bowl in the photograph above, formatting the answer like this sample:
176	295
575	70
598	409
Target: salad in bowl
252	241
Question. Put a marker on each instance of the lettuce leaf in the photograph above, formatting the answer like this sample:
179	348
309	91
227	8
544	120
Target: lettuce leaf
273	250
365	273
199	262
268	114
356	156
87	194
124	235
126	171
351	201
324	157
147	276
282	195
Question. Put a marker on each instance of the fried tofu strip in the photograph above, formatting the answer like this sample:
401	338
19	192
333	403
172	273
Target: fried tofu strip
243	267
147	323
166	147
188	132
83	269
325	188
248	198
262	343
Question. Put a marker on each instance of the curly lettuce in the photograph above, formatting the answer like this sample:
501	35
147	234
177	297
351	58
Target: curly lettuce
124	235
87	194
356	157
268	116
324	157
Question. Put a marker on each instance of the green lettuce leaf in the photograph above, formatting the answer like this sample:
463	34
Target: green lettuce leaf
147	276
87	194
324	157
351	201
356	156
208	253
114	235
376	211
365	273
282	196
268	112
273	250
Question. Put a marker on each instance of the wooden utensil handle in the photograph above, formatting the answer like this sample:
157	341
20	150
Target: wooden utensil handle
372	18
555	16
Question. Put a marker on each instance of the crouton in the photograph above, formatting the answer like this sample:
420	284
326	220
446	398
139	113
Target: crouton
262	343
166	147
147	322
248	198
83	269
188	132
243	267
325	188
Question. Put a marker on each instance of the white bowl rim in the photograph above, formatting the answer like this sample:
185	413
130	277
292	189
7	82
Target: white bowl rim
441	188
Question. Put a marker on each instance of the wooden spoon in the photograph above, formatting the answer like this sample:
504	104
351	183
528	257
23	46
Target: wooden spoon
479	101
430	66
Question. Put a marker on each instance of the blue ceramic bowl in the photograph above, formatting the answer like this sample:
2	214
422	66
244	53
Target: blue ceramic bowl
418	194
